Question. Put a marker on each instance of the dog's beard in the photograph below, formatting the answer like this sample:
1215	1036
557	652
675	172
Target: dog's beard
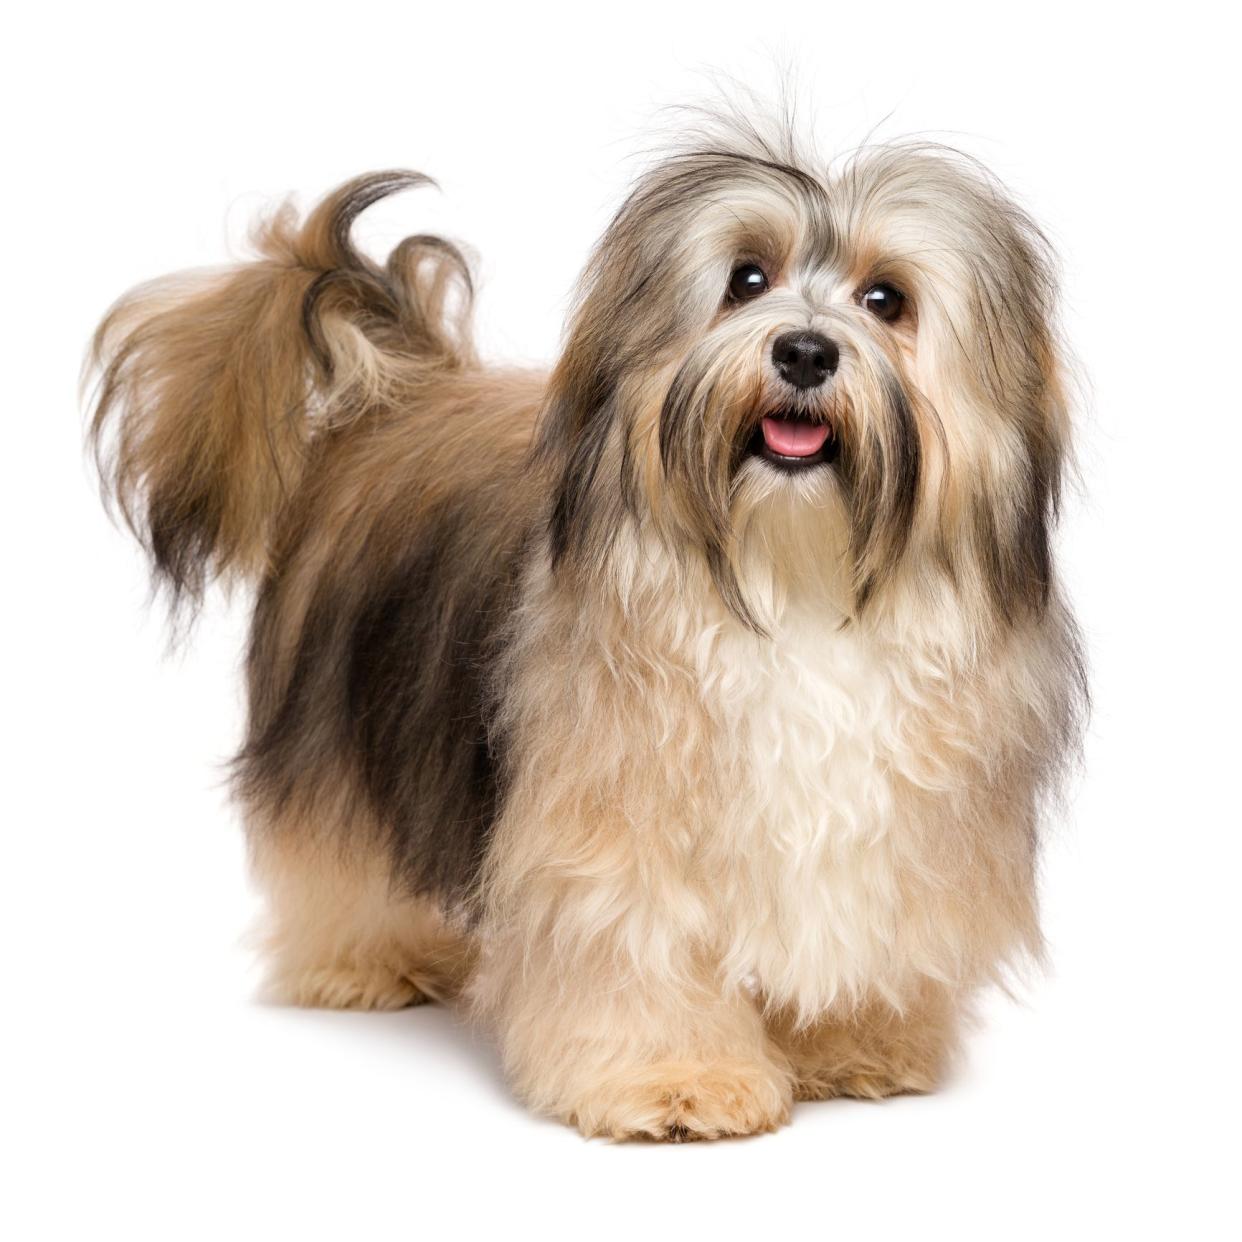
734	439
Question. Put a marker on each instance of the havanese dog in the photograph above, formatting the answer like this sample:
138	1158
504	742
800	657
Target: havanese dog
689	712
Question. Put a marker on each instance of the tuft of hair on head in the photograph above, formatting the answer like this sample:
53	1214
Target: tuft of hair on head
213	385
768	121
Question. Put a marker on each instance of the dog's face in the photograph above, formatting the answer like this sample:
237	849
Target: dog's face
855	373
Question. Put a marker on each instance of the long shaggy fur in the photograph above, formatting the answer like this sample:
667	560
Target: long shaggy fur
710	784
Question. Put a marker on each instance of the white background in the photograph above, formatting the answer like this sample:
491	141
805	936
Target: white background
145	1094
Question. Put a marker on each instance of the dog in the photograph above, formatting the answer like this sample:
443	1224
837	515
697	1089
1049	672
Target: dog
689	712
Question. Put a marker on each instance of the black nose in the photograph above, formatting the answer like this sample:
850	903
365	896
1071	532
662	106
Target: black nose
805	359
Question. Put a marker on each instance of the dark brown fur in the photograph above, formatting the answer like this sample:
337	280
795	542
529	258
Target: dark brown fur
384	674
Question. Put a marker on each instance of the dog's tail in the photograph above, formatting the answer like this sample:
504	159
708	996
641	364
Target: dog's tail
213	385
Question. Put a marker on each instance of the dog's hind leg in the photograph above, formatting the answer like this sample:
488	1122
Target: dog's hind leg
339	935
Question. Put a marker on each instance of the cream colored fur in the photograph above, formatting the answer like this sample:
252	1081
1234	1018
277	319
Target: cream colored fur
826	816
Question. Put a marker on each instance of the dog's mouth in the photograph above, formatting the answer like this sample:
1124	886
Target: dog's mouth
791	441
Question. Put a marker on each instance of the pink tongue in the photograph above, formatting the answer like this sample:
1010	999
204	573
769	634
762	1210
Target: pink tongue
794	439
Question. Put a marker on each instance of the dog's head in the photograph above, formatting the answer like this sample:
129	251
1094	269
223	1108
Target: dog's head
849	375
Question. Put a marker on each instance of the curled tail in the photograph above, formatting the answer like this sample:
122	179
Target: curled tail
213	384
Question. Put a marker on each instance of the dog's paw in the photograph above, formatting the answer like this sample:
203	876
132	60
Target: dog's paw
677	1101
862	1085
342	988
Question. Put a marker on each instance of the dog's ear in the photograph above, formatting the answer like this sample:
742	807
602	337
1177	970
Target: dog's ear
623	321
988	359
1007	322
573	439
656	278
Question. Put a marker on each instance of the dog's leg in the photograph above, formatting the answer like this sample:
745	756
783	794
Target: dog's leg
337	936
621	1055
874	1050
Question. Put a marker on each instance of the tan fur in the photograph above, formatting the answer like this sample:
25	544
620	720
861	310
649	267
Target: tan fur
372	485
873	1050
337	935
705	784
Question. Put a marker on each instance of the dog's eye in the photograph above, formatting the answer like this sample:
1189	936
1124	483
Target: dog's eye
884	301
748	281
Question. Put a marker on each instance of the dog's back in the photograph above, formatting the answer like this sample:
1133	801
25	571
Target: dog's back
376	626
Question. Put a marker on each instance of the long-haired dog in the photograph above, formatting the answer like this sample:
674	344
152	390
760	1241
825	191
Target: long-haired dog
689	711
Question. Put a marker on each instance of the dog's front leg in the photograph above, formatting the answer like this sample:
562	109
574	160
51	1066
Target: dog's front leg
593	1037
872	1050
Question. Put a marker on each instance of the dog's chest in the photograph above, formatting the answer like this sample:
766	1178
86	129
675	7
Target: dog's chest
818	736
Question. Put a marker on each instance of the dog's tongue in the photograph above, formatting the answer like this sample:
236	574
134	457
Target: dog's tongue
794	438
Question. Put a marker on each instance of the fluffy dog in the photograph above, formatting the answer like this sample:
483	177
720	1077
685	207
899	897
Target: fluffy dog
688	711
